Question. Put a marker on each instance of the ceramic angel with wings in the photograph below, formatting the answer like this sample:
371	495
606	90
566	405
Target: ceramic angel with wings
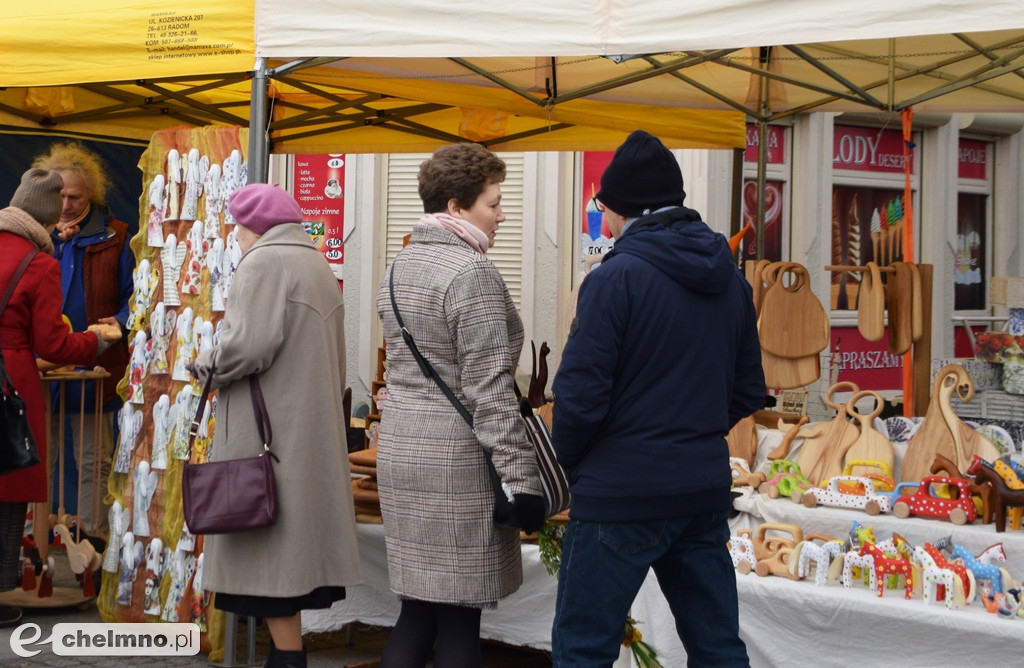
161	328
197	248
157	211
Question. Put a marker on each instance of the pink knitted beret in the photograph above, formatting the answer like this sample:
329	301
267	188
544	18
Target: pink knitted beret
260	206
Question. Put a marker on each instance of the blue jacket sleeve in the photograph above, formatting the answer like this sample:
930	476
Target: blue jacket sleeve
583	383
125	283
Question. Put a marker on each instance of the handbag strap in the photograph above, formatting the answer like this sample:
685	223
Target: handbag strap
259	407
425	366
6	384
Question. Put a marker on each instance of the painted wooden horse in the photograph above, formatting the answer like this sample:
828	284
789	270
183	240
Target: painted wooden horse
853	559
884	566
932	577
966	583
808	553
1003	497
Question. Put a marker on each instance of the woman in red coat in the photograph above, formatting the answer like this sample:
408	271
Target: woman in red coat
31	325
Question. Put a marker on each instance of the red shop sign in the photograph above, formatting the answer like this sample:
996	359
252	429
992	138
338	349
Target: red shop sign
776	144
319	180
867	149
973	159
869	364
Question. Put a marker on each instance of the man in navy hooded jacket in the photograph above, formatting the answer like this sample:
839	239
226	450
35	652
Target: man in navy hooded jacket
662	360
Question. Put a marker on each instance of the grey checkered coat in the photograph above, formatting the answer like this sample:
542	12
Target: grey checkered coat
436	498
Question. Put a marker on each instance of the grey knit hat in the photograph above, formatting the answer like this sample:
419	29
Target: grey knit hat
39	195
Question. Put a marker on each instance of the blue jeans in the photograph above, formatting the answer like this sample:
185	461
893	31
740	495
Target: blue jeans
605	564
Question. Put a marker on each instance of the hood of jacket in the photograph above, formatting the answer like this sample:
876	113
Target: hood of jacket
680	245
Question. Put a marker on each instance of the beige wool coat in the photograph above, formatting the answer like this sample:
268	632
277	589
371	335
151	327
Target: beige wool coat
285	321
436	498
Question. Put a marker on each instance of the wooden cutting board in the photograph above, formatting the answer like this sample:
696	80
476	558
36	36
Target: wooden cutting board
824	448
782	373
870	444
934	436
742	440
871	304
898	303
916	303
792	323
966	441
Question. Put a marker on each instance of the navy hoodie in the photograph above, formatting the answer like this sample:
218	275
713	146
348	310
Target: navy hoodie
662	360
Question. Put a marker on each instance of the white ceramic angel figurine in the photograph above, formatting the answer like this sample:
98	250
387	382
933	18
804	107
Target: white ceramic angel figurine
216	333
119	520
200	598
232	256
215	266
164	417
137	366
173	184
129	422
187	539
195	177
145	280
142	497
131	557
154	571
186	348
172	256
161	327
205	328
181	569
186	401
157	210
197	247
212	199
232	179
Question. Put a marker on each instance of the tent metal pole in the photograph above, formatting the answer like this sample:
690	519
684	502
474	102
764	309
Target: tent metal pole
762	153
259	148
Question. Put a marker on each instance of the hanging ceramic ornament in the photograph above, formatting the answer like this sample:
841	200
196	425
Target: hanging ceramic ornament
196	247
162	325
145	486
137	365
186	401
195	175
172	256
173	184
129	423
185	349
154	572
232	256
118	520
131	557
212	199
164	417
215	267
157	210
181	570
145	280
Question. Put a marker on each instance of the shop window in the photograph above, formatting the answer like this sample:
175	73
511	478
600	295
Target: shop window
969	264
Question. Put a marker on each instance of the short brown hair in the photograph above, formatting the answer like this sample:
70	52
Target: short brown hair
460	172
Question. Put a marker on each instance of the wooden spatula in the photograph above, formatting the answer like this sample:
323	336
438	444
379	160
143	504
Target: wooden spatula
898	303
871	304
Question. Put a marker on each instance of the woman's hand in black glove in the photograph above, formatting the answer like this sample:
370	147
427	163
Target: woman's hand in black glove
528	512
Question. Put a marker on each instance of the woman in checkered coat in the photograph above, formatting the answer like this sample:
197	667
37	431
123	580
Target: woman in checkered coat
447	557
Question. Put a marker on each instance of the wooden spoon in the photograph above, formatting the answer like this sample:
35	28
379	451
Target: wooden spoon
871	304
823	451
870	444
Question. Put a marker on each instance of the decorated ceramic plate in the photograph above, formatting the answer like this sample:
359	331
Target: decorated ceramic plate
999	437
900	428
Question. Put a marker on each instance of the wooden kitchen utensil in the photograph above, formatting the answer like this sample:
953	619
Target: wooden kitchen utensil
871	304
934	436
870	444
916	309
824	448
898	303
781	373
792	322
742	440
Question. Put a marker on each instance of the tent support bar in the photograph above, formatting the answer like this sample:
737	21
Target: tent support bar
704	89
832	73
963	83
528	133
259	151
498	80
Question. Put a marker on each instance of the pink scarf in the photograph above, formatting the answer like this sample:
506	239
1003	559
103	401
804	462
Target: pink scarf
461	228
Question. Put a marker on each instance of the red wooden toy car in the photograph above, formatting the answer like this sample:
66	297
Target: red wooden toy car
925	502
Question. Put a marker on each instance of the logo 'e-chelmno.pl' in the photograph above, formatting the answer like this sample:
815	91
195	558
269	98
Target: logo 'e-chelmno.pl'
100	639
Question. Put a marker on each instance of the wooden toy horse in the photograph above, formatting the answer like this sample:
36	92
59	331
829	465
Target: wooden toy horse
967	587
1003	496
854	559
808	552
993	554
884	565
989	572
933	577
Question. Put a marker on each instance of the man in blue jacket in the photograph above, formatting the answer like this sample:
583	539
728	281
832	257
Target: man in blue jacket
662	360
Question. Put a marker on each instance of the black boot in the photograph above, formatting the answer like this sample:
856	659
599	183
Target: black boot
11	616
294	659
272	660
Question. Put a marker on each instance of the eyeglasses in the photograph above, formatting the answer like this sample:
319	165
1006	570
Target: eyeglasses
597	204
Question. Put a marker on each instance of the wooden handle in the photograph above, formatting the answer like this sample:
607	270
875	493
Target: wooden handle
865	418
847	384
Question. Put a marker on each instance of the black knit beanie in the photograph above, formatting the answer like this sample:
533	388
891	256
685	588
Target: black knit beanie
642	177
39	195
